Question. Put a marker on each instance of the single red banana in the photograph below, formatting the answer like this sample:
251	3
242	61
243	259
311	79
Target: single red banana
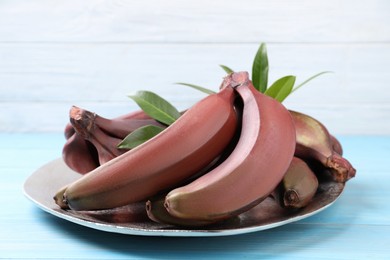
252	171
193	141
298	187
79	155
314	142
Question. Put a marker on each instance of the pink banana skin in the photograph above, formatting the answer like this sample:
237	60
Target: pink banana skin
315	142
185	147
298	187
79	155
121	127
138	114
252	171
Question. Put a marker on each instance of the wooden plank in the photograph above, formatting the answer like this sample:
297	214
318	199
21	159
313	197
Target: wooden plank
196	21
355	227
352	120
93	72
46	79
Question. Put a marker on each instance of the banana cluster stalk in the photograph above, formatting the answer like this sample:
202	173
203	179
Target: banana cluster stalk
92	139
222	157
314	142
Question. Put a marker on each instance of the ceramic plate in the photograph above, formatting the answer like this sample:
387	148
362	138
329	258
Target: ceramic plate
132	219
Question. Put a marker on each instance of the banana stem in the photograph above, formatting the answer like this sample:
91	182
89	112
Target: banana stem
291	198
83	121
341	169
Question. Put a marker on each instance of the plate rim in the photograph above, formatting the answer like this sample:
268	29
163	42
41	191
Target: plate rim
174	232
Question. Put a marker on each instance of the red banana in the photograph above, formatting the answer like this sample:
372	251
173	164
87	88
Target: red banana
79	154
298	187
252	171
315	143
193	141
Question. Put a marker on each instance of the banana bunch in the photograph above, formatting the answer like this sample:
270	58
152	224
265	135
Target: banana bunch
223	156
92	140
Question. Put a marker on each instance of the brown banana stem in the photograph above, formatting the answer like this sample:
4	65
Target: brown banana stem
298	187
341	169
59	198
82	121
290	198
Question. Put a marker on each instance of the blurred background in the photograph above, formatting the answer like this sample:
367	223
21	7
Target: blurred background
93	54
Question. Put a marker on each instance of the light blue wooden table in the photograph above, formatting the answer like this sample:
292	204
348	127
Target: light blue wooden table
54	54
357	226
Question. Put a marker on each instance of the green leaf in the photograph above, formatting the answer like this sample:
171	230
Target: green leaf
281	88
226	69
260	69
202	89
156	107
309	79
140	136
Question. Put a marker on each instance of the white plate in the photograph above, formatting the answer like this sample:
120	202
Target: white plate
43	183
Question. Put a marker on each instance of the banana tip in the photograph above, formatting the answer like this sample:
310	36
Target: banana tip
341	168
149	212
60	199
291	197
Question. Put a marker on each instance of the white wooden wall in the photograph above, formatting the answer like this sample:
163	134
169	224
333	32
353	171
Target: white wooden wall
54	54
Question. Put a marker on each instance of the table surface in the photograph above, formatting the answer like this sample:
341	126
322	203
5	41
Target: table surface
356	226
